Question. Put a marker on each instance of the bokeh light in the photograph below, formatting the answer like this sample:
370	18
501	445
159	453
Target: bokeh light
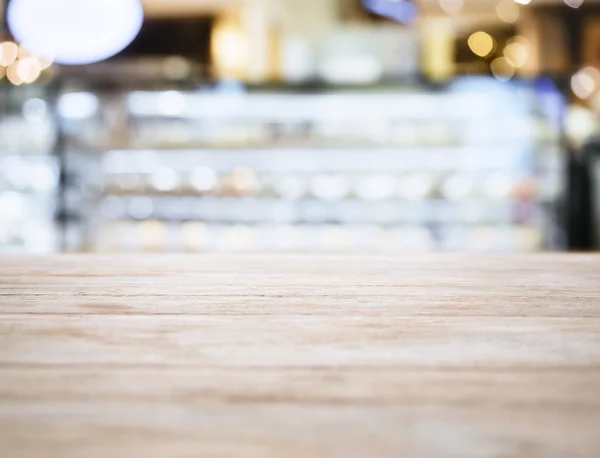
516	52
452	6
502	69
580	124
574	3
29	69
508	11
12	74
24	53
9	52
78	105
585	82
229	49
482	44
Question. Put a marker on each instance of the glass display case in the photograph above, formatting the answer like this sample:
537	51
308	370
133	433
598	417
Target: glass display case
475	166
29	172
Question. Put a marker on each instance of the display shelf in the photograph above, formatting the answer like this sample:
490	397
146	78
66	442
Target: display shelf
273	210
29	173
462	170
195	236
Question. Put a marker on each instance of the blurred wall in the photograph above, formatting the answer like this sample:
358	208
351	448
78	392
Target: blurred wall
163	8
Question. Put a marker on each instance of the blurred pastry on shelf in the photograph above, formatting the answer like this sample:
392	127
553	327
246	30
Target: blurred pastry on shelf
416	186
203	180
241	182
375	187
330	187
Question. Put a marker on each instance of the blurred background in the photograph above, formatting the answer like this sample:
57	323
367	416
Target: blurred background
299	125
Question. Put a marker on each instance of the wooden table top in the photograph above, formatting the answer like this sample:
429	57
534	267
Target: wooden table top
300	356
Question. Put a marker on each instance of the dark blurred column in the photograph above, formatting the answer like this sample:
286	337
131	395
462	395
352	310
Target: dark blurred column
573	23
552	30
564	36
580	208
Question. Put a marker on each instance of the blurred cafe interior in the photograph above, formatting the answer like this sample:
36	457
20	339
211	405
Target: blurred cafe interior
343	126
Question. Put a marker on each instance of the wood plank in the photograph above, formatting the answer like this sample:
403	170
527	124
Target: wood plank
300	356
296	340
311	412
458	285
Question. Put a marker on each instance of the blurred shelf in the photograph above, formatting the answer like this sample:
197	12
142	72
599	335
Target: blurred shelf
445	167
29	173
311	211
348	160
288	107
161	236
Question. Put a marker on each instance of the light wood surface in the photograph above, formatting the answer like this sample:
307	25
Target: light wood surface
300	356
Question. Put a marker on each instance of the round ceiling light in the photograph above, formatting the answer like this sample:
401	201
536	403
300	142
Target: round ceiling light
75	32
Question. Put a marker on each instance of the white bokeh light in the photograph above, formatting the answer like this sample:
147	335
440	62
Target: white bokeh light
75	32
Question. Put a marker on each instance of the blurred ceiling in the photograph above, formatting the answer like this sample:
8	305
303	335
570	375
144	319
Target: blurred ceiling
198	7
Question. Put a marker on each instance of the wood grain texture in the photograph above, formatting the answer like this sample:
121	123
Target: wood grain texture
300	356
